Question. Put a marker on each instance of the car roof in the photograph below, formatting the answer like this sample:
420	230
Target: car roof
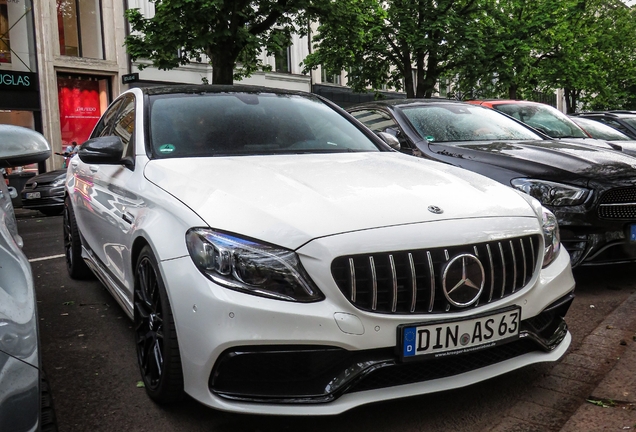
613	114
405	102
215	88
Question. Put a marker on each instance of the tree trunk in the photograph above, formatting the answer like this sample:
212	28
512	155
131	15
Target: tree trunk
222	66
512	91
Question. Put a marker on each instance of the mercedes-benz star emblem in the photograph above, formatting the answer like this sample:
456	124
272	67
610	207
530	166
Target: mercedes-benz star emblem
435	209
463	280
35	184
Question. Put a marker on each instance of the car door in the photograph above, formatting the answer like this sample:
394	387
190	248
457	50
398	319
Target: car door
113	203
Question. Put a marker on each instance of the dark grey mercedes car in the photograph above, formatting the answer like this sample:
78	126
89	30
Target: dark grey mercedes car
592	191
25	403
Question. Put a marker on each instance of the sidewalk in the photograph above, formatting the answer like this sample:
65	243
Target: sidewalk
592	389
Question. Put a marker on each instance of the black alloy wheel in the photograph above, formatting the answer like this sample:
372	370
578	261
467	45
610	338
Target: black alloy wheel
155	335
77	268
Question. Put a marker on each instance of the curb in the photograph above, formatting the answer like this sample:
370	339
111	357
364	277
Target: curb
558	401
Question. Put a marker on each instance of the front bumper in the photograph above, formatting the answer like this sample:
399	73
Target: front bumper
251	354
49	198
306	374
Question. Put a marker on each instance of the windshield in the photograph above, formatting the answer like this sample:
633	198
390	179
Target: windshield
221	124
545	118
630	121
601	131
449	122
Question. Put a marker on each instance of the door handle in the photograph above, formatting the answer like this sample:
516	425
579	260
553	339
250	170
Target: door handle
93	168
74	164
127	217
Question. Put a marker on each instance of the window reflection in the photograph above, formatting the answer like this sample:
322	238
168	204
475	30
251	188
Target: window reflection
80	28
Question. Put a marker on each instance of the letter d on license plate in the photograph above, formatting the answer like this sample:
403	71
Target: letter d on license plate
447	338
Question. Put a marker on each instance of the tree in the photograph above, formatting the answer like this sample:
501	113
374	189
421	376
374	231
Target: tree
405	44
228	32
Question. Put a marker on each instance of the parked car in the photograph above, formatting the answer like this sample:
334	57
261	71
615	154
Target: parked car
624	121
591	191
604	132
25	402
278	258
547	120
45	192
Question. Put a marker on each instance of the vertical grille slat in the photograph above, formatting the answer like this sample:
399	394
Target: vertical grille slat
431	269
394	299
503	270
411	282
514	267
352	279
374	284
523	258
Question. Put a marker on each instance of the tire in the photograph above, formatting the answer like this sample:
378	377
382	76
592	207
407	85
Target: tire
48	421
155	333
77	268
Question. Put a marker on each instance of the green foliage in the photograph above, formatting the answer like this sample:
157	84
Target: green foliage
380	43
231	33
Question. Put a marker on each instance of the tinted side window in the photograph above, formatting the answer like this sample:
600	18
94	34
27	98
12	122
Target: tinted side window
105	123
124	125
377	121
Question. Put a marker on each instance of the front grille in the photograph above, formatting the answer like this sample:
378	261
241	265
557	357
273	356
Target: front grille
619	203
410	282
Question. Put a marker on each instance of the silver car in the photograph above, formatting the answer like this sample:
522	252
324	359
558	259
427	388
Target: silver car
24	396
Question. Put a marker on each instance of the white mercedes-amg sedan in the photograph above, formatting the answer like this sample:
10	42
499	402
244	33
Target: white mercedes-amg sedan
277	257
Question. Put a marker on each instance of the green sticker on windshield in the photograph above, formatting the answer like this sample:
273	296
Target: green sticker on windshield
430	138
166	148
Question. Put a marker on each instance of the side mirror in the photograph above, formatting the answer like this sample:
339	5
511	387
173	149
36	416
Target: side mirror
390	140
13	192
22	146
107	150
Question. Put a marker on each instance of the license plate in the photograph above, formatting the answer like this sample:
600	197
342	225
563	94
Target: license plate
32	195
448	338
632	233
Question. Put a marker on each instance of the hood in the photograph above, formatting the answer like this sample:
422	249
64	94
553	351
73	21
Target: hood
545	159
290	199
627	146
47	177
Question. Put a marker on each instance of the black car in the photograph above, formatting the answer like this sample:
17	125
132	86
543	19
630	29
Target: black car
592	191
45	192
624	121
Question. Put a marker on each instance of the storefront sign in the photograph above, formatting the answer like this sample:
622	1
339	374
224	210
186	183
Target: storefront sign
130	78
11	80
79	102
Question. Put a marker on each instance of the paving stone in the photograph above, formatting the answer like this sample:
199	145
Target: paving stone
510	424
578	373
553	399
590	418
564	385
592	363
531	412
620	383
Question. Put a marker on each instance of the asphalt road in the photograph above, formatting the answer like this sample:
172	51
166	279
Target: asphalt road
89	356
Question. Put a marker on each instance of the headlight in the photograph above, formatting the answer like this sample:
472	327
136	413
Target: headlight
18	340
550	193
246	265
551	237
58	182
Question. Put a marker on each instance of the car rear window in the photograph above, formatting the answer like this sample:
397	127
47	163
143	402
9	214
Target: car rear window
228	124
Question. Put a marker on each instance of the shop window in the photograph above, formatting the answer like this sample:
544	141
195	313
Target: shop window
281	59
82	100
80	31
5	45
